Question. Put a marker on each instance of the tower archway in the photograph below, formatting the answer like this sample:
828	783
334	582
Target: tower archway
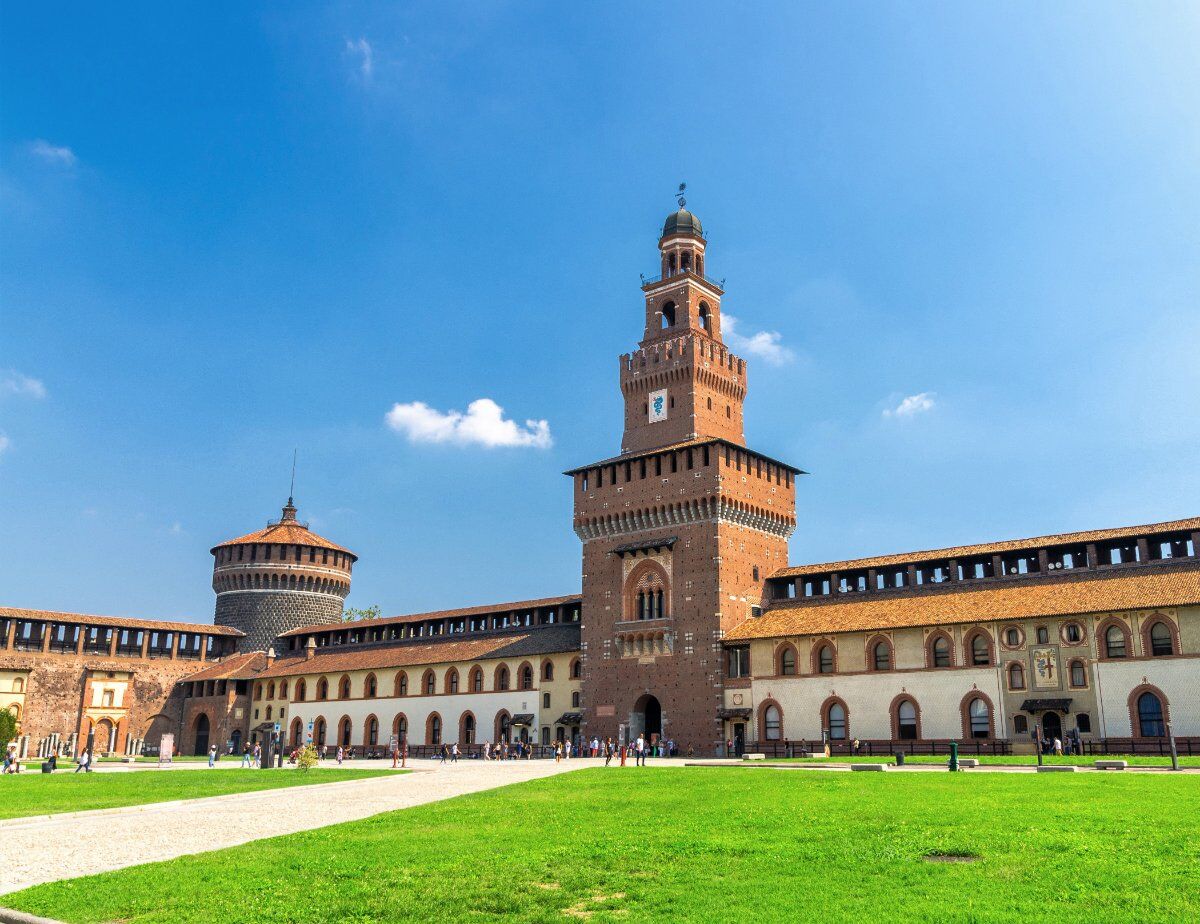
646	718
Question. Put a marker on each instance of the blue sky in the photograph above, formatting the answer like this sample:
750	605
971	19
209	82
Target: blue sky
966	240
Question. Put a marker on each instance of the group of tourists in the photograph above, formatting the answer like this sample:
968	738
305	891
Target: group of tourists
252	756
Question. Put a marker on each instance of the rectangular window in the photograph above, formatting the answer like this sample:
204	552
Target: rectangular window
739	662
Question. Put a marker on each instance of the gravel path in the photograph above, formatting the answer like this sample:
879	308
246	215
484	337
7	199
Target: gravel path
48	848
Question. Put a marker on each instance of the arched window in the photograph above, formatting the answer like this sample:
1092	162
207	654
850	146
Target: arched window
825	659
301	690
835	722
372	731
705	319
881	656
18	684
476	680
526	677
576	669
400	726
668	315
787	661
1161	642
319	733
502	678
468	729
1150	716
258	691
1114	642
15	709
322	689
1073	633
1016	676
344	688
370	687
941	651
271	690
429	683
402	684
1078	674
452	681
772	723
1012	636
434	729
980	718
981	650
547	670
268	713
906	720
283	688
346	728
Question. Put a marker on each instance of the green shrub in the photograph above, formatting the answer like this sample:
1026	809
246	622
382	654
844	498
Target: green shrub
306	757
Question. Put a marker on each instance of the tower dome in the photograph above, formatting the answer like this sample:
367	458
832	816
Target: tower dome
682	222
278	578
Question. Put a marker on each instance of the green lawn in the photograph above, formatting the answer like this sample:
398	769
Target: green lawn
47	794
700	844
1019	760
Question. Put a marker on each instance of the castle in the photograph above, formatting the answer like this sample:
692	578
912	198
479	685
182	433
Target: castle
689	626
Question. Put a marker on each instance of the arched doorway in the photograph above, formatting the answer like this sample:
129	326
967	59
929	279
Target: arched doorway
646	718
104	737
1051	726
235	741
201	732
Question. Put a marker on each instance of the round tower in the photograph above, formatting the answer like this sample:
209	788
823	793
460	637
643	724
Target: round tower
279	578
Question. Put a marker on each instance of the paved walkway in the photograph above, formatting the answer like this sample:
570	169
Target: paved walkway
47	848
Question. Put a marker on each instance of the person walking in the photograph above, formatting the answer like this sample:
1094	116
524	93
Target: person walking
84	762
340	755
454	753
639	752
608	752
212	756
558	752
257	755
247	757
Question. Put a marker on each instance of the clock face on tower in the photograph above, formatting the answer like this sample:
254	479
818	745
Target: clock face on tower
658	405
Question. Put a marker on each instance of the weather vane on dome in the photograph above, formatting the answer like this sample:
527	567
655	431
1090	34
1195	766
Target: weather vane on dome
679	195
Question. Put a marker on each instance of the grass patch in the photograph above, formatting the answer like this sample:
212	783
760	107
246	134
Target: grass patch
1018	760
48	794
696	844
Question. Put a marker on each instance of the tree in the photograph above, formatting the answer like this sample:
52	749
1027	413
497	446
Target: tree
8	727
350	614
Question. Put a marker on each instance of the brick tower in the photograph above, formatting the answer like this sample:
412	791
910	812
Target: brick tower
279	578
681	529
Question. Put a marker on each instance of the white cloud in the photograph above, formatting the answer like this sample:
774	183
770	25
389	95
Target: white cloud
13	382
765	344
52	153
5	442
365	53
176	529
483	424
912	405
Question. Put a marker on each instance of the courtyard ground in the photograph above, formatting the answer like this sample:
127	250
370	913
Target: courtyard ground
699	844
25	794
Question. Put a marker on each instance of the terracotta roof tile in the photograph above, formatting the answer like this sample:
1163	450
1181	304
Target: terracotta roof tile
285	534
235	667
1011	545
121	622
439	614
1039	597
539	641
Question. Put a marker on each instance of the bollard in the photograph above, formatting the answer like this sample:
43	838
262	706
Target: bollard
953	756
1174	750
899	758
